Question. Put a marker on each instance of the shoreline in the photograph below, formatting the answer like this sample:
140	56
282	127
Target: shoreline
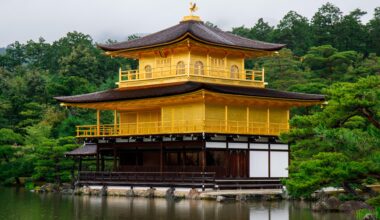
180	193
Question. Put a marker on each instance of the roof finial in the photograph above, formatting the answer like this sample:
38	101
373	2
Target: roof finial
193	8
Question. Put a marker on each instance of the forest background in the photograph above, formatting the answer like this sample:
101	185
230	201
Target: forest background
333	54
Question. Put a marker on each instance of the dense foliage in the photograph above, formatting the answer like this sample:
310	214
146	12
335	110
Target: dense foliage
35	131
327	26
334	54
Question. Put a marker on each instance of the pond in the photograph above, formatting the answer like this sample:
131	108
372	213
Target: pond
18	203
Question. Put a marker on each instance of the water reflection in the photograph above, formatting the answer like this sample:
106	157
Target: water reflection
25	205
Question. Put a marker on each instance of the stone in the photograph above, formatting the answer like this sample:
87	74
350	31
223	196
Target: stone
241	197
78	191
86	190
332	203
170	193
67	191
130	193
66	186
149	193
369	216
193	194
350	206
48	187
319	206
220	198
95	192
103	191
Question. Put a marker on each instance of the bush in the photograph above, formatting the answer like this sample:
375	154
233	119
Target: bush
374	202
360	214
29	185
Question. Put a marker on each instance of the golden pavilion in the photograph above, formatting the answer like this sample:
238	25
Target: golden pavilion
191	114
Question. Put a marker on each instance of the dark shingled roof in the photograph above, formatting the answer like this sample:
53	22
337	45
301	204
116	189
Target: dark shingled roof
196	29
182	88
88	149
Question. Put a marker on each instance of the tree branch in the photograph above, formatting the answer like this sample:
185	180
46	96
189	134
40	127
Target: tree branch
370	116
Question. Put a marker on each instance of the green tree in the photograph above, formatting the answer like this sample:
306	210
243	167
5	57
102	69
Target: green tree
351	33
373	27
294	31
324	24
260	31
339	145
328	63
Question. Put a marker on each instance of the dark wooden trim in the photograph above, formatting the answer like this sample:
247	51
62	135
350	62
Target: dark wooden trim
114	159
161	157
80	164
102	165
269	160
97	158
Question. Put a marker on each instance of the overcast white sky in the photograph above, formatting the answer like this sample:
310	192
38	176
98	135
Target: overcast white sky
23	20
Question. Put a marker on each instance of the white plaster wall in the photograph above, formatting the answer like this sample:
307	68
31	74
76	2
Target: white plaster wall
279	164
258	164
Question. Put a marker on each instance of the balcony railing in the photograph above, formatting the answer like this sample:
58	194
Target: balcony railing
182	127
204	74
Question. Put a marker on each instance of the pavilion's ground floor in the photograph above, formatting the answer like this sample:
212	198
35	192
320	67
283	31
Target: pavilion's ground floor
184	159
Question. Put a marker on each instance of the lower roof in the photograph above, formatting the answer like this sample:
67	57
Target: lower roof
183	88
88	149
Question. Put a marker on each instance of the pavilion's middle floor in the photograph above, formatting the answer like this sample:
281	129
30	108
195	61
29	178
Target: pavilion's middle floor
196	117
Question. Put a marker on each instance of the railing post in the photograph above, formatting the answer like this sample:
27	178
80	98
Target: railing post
263	75
120	78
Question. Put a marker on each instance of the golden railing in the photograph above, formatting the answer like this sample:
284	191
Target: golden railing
182	127
207	72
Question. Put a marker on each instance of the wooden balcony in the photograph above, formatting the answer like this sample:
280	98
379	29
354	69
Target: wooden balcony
172	74
182	127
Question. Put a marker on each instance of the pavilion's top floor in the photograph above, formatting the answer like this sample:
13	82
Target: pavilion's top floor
191	51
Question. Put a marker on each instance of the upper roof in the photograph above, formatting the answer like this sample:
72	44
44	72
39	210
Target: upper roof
196	30
182	88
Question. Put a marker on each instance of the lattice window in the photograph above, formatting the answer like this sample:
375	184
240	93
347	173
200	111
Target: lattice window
163	62
148	71
216	62
180	70
234	72
198	68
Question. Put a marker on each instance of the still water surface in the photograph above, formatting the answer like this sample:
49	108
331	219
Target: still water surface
22	204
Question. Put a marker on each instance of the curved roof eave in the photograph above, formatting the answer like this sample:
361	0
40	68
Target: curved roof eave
196	30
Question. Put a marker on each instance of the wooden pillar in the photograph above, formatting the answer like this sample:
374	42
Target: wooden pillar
80	164
287	119
247	119
208	63
268	121
203	152
226	72
243	72
226	118
263	75
161	157
114	159
97	161
102	162
115	132
189	62
98	122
